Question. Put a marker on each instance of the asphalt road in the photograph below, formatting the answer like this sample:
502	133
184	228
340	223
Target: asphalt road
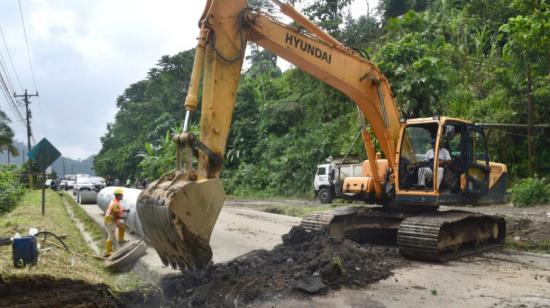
238	231
501	278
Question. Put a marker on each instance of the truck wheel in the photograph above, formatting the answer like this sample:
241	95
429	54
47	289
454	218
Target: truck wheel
325	195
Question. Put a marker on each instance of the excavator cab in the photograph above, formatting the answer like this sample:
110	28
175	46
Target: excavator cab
442	161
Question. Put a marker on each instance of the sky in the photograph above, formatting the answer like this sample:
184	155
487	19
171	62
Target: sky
85	53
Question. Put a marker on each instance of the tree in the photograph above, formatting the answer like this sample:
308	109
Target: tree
392	8
328	14
147	110
361	33
413	58
527	43
395	8
6	135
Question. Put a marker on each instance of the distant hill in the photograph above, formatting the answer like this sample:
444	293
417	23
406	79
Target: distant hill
72	166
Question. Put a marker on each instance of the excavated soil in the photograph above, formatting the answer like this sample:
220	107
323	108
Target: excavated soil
46	291
304	264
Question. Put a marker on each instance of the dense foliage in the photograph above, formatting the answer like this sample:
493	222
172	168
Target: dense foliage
530	191
10	190
467	59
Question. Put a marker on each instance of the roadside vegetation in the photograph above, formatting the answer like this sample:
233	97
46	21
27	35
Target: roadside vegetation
55	262
530	191
478	60
537	247
10	189
97	233
296	211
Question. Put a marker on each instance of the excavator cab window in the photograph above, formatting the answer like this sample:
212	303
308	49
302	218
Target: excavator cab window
415	162
477	175
454	140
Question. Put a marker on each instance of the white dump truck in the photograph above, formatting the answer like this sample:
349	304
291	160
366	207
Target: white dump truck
330	176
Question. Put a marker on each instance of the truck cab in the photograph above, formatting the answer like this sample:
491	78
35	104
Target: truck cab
324	182
330	177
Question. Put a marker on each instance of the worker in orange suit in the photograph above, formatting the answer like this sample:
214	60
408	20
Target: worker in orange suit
112	220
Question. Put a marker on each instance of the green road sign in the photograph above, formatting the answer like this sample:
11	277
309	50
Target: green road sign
44	154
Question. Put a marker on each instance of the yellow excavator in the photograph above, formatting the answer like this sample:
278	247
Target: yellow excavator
427	162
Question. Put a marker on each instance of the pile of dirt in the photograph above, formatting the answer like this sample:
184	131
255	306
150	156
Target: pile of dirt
306	263
46	291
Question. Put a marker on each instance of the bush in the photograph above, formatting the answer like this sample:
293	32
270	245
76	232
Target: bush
530	191
10	190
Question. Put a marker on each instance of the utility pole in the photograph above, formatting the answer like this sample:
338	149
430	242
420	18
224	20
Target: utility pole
29	133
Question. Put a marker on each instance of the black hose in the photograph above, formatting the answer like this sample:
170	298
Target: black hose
5	241
46	233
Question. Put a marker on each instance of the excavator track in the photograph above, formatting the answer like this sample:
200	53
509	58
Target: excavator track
437	236
317	221
446	235
324	220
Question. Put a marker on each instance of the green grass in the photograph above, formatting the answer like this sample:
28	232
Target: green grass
97	232
56	262
269	196
542	247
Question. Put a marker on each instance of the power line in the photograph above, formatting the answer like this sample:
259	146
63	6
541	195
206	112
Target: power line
31	66
5	70
7	94
10	59
11	101
27	44
504	131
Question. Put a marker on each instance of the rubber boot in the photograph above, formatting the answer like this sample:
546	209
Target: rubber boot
121	239
108	248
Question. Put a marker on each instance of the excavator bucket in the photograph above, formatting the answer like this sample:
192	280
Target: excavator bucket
178	217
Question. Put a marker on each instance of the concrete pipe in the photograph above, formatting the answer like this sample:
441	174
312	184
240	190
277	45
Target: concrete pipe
129	200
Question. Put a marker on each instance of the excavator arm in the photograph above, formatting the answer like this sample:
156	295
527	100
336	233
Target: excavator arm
179	210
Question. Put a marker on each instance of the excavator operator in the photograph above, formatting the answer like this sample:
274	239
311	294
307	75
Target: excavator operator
426	172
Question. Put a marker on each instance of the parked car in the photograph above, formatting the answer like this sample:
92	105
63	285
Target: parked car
84	190
83	183
63	184
70	184
99	183
48	183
